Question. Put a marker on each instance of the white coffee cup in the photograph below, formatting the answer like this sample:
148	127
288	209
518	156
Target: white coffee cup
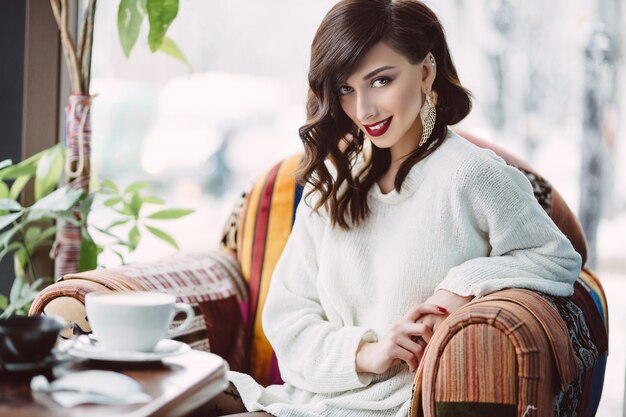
134	320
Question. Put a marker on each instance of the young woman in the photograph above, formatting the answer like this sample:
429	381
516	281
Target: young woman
403	221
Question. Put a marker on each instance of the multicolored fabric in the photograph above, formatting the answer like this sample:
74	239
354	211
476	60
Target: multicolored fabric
265	225
78	155
541	189
229	232
587	321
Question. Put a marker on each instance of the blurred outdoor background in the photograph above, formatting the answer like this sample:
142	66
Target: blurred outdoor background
547	79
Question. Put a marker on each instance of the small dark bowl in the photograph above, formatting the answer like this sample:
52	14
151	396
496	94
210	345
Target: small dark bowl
26	339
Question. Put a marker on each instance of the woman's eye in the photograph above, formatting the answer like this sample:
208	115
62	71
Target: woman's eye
381	82
344	89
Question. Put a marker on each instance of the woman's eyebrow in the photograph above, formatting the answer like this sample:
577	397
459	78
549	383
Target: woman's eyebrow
376	71
370	75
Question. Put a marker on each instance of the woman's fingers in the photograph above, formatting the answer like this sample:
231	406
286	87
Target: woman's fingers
401	342
426	333
405	336
407	356
412	346
416	312
419	330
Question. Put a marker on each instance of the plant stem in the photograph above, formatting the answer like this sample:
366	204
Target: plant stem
60	12
86	44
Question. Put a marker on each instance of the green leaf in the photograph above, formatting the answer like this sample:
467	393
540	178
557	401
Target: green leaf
136	186
4	190
67	216
129	19
27	295
34	240
106	232
49	170
8	312
10	205
161	13
109	187
117	223
133	238
49	232
16	288
36	285
56	204
5	163
18	186
20	261
88	258
169	47
170	214
7	219
4	302
85	207
112	201
12	246
32	233
123	243
124	211
135	205
152	200
5	237
26	167
163	236
119	255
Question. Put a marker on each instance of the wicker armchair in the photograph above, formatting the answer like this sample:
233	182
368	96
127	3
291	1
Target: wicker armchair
512	353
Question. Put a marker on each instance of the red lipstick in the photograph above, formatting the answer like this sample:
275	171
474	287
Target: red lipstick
378	128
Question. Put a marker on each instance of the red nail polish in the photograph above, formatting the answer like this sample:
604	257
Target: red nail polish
443	310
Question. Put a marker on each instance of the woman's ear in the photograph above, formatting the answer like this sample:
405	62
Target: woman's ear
429	72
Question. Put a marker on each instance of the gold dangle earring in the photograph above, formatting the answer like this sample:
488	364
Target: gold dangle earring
428	114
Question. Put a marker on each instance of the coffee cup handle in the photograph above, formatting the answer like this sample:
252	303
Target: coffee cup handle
188	310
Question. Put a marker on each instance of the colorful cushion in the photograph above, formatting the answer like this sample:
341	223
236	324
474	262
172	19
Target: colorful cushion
586	316
265	225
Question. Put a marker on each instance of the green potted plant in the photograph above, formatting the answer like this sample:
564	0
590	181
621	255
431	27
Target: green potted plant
131	15
27	230
64	209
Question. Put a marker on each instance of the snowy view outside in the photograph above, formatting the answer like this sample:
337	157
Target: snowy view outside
200	135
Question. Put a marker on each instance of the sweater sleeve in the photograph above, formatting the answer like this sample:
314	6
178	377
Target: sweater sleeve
527	248
313	354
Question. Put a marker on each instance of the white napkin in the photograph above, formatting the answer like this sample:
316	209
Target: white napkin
94	387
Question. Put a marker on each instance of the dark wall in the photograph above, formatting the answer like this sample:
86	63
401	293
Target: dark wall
12	21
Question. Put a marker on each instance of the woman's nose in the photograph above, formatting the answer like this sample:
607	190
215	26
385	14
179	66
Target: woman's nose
365	108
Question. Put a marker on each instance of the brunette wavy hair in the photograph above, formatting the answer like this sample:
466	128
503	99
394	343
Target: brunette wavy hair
349	30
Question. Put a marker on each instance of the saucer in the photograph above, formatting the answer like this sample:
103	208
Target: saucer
86	348
45	363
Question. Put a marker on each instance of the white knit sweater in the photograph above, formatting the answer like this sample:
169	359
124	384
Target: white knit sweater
464	221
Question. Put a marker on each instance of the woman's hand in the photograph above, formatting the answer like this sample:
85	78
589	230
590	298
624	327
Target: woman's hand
450	301
400	343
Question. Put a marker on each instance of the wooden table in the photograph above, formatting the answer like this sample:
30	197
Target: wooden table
178	386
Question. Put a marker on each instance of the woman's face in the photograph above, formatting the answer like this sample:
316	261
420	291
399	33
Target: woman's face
383	97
